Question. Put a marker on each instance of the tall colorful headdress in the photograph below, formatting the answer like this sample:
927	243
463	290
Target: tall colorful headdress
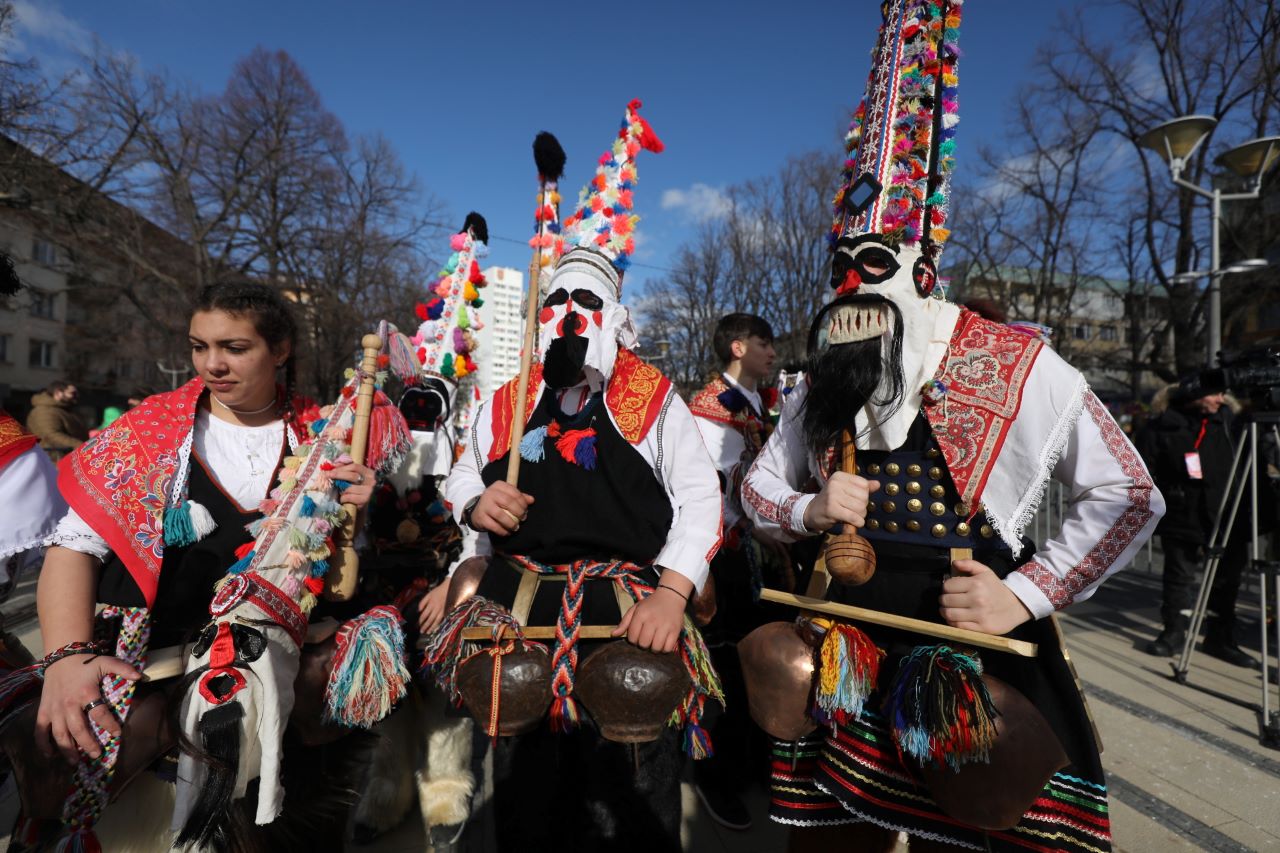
601	232
550	158
450	314
900	144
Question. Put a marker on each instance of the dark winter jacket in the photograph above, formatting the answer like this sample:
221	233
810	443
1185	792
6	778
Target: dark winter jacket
1191	506
60	429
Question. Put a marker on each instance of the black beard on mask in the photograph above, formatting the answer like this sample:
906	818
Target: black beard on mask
844	378
562	365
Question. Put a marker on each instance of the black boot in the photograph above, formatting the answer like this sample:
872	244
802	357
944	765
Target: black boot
1171	639
1220	642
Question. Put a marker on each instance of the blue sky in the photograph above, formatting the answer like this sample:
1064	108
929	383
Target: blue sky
461	89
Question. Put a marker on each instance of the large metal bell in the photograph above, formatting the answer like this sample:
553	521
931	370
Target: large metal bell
778	667
630	692
524	688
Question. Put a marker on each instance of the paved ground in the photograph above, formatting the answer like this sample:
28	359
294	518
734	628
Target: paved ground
1185	767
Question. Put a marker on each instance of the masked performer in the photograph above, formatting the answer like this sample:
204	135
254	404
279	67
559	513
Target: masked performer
160	502
417	546
959	423
615	493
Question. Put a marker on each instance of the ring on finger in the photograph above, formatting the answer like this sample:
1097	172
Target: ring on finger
359	479
89	706
513	516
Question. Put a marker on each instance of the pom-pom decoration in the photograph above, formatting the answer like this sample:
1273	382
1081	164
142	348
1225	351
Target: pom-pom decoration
440	342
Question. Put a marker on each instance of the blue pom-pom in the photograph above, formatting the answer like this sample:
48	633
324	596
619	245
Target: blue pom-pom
319	568
241	564
307	507
532	446
585	453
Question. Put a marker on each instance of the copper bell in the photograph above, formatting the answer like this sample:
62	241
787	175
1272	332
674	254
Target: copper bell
995	795
524	688
777	665
465	581
630	692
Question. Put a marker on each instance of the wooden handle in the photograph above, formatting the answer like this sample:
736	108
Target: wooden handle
906	623
848	454
344	566
543	632
526	355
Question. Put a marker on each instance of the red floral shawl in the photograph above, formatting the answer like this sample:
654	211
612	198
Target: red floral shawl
119	481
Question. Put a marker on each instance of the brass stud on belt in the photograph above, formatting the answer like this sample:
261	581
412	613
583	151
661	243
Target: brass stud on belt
914	505
962	528
892	489
913	526
873	524
939	530
892	469
888	506
913	488
962	509
935	473
891	526
938	508
937	492
986	531
914	470
933	453
873	469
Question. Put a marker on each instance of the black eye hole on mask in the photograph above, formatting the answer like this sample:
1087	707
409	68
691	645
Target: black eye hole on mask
587	299
860	253
558	297
249	642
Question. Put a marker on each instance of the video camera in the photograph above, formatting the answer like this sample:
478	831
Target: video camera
1252	374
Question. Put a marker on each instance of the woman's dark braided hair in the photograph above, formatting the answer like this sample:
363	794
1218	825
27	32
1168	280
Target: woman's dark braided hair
272	319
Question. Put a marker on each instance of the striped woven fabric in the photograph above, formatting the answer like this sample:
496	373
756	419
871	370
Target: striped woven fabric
855	774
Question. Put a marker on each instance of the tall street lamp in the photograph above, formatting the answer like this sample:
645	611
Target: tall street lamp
1175	141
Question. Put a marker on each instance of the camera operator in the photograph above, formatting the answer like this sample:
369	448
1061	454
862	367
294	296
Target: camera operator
1188	445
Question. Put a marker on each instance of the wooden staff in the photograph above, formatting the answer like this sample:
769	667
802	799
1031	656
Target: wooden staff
906	623
548	156
344	565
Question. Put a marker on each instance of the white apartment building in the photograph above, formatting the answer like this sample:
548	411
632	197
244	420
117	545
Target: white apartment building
500	339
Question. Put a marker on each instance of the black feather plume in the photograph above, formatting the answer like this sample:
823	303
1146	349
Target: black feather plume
549	156
479	228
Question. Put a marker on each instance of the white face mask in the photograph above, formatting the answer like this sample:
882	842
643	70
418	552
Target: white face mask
576	297
907	281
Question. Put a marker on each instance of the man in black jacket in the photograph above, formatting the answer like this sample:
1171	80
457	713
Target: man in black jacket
1189	448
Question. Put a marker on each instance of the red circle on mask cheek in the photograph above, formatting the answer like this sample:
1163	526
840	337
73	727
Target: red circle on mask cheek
598	318
545	315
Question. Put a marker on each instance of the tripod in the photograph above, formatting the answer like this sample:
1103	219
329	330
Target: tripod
1244	476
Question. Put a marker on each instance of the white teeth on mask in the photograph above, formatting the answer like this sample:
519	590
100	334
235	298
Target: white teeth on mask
852	323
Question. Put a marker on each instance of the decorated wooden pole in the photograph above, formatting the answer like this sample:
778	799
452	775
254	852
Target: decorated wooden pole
344	566
549	158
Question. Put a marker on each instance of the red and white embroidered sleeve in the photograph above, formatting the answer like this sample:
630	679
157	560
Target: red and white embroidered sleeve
770	491
1113	507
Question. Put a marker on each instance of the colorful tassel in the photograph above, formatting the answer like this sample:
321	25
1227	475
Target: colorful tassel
369	674
565	716
939	709
187	523
578	446
850	663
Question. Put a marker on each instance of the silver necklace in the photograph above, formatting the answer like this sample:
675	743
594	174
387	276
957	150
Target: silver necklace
241	412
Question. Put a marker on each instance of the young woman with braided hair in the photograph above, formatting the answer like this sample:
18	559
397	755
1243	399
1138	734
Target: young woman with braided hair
159	507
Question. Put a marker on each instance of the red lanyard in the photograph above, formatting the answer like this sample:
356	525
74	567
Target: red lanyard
1199	438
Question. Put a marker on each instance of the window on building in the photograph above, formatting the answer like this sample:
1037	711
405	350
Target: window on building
5	343
1080	331
44	252
41	354
43	304
1108	333
124	368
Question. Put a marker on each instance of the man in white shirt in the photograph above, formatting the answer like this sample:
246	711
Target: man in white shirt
732	415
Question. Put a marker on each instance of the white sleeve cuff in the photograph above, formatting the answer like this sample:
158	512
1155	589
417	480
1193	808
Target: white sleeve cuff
685	559
797	516
1029	594
74	533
